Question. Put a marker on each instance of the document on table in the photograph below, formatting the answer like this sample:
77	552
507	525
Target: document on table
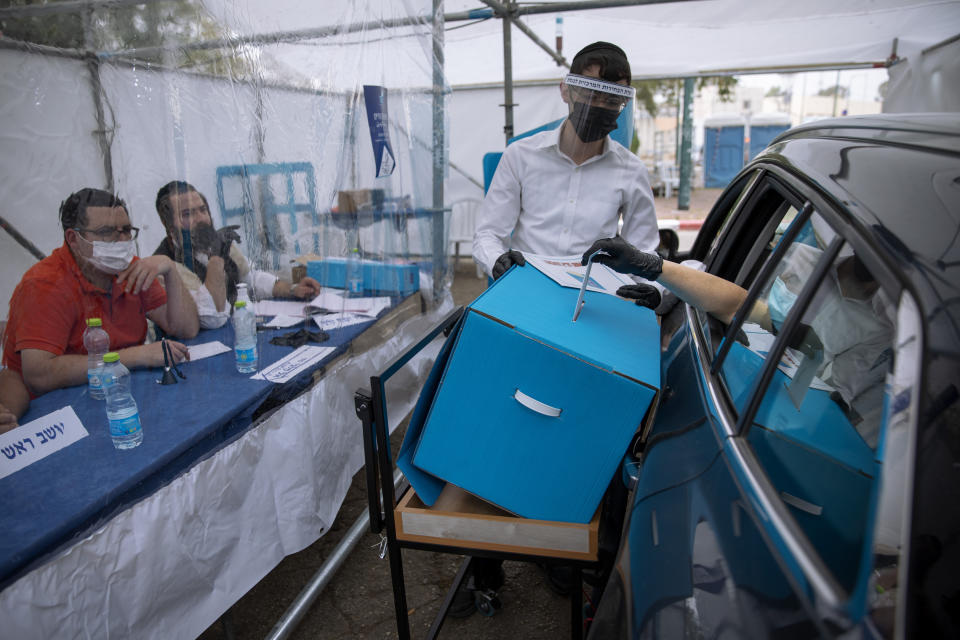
339	320
288	367
282	321
279	308
37	439
568	272
207	349
336	302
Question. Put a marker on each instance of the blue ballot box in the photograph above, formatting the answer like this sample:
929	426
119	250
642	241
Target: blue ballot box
534	411
379	278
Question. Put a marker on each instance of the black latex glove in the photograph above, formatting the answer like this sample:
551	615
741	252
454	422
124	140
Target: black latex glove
805	340
299	338
625	258
228	235
645	295
214	242
506	261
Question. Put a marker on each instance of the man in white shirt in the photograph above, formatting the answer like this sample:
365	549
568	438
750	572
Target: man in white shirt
212	266
556	192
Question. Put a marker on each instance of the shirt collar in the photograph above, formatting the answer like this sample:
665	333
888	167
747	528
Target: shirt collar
553	140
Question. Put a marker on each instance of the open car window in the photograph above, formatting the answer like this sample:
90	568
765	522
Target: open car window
816	427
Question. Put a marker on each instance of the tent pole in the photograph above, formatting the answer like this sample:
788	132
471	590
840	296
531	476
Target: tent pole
686	144
507	75
506	14
439	148
93	66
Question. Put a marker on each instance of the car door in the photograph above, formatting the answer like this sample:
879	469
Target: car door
752	510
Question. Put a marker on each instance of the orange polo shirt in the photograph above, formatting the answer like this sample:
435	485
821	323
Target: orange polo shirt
50	307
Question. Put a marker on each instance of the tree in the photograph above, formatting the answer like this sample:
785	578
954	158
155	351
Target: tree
155	24
836	90
669	90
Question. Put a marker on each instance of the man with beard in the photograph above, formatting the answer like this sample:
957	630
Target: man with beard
208	261
95	274
555	192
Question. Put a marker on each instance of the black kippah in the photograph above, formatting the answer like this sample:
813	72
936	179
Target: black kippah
597	46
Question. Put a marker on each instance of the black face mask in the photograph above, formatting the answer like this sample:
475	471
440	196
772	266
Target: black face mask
592	123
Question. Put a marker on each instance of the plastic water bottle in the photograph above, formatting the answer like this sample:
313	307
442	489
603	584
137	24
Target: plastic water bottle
242	294
244	337
125	428
96	342
354	273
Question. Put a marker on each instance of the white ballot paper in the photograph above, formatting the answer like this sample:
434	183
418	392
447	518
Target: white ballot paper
207	349
39	438
567	271
288	367
282	321
339	320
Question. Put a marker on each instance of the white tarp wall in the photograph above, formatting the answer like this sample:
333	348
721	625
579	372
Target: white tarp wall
290	101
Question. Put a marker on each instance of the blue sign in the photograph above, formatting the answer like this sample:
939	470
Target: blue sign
375	98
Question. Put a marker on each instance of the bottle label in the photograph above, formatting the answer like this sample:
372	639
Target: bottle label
125	426
246	355
93	379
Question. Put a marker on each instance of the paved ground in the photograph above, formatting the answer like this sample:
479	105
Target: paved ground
359	601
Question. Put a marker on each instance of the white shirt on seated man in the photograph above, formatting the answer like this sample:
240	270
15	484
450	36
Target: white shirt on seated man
212	265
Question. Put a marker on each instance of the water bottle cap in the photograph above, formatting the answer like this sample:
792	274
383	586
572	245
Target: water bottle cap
240	304
112	356
94	322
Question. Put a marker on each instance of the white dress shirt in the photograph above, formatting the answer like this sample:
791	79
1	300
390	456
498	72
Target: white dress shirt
554	207
260	282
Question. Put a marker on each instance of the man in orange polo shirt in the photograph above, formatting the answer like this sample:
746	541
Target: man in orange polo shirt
94	274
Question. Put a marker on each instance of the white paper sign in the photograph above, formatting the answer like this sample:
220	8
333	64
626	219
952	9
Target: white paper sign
207	349
286	368
37	439
339	320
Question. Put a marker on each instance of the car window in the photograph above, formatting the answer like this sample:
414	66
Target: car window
753	236
744	362
817	426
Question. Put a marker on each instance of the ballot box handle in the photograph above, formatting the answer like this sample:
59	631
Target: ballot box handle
535	405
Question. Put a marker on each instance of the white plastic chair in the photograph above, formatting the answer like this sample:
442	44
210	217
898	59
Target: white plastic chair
463	222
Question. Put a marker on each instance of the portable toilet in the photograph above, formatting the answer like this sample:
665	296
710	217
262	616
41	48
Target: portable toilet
764	127
724	141
722	149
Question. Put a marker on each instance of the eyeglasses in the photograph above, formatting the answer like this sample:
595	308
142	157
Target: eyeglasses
598	99
112	234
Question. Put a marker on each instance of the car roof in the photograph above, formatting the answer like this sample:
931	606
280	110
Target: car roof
898	178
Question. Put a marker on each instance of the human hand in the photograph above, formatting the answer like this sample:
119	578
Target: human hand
507	260
645	295
142	272
306	289
151	355
7	419
623	257
205	239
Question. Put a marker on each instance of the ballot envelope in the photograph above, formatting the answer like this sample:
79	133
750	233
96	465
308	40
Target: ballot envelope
533	412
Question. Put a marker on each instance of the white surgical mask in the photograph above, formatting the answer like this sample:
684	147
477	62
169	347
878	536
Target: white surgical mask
112	257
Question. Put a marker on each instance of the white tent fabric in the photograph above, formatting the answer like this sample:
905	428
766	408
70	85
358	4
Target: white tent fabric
680	39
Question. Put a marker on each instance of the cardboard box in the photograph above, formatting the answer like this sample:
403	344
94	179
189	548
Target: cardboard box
458	519
379	278
533	411
354	200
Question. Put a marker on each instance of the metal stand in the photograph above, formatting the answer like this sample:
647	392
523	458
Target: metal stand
382	502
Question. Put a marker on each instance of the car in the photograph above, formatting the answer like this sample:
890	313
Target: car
800	476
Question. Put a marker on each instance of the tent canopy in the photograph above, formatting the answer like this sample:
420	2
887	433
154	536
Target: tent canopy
709	37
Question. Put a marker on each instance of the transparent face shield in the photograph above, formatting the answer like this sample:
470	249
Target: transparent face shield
595	105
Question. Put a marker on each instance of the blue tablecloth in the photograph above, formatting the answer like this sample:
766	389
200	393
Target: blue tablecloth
63	496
